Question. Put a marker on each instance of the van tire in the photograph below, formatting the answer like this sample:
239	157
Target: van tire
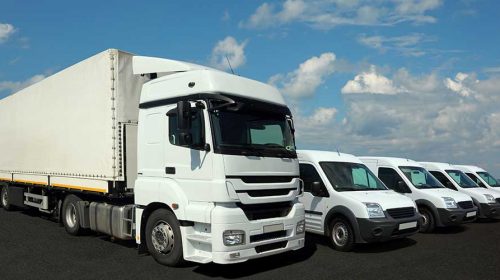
4	199
341	234
428	220
163	238
70	215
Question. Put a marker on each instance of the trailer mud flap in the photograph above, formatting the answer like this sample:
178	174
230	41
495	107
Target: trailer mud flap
83	207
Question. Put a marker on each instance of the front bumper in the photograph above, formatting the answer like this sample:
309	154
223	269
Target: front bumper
451	217
378	230
258	243
489	210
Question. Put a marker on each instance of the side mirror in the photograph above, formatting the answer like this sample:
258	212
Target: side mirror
183	115
401	187
316	188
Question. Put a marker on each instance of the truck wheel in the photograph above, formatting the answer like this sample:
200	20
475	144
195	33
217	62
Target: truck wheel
71	215
5	199
341	235
163	238
428	221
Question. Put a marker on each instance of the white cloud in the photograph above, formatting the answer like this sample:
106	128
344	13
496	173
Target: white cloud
406	45
371	82
6	30
230	49
307	78
460	84
323	14
8	87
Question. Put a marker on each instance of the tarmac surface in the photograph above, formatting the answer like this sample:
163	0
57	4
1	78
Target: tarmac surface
34	247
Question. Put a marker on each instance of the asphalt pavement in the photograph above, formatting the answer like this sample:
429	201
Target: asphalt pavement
34	247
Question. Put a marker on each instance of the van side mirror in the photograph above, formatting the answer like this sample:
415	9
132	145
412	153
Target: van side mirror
401	187
316	188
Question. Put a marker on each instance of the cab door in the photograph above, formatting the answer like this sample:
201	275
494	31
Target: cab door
316	204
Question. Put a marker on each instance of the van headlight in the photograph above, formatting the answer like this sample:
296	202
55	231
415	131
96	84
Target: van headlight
301	227
374	210
489	198
233	237
449	202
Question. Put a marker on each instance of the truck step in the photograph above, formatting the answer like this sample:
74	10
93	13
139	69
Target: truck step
198	259
200	238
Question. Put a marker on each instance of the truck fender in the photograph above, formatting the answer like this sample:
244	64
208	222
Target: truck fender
348	214
429	205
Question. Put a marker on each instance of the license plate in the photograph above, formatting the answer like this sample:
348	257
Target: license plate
471	214
272	228
407	225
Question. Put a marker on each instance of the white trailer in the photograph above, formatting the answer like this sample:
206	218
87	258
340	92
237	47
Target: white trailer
193	163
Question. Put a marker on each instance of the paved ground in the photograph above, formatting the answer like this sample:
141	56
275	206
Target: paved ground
33	247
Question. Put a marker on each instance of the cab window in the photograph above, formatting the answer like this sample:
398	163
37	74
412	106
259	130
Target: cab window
309	174
442	178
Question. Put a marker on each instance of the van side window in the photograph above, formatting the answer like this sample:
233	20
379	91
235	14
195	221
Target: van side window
309	175
390	177
442	178
474	178
197	129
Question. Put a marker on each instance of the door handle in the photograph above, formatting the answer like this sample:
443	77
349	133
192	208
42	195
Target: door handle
170	170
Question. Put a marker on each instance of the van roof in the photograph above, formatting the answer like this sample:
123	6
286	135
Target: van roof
394	161
438	166
470	168
319	156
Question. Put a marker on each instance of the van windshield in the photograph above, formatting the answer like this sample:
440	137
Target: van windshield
461	179
348	176
489	179
420	177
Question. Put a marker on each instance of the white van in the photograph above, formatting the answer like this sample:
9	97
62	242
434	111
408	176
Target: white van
345	201
480	176
438	205
487	201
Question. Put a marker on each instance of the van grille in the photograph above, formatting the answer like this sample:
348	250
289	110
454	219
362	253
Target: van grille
266	210
465	204
399	213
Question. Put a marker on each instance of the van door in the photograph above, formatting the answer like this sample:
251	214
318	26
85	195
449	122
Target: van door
316	205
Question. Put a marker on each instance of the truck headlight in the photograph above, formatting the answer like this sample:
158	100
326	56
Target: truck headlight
374	210
489	198
301	227
449	202
233	237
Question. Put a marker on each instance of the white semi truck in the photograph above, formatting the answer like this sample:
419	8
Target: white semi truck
193	163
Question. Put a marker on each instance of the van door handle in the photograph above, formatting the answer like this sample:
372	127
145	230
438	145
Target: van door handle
170	170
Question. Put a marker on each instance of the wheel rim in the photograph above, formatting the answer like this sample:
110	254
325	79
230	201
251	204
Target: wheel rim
5	198
425	218
71	216
162	237
340	234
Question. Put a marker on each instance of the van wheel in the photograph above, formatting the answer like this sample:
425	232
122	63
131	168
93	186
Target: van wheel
341	234
163	238
5	199
428	221
71	215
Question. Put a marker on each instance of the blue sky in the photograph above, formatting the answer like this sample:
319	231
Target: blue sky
416	79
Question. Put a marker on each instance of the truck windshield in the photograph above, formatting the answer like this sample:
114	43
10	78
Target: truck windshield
489	179
253	128
461	179
420	177
348	176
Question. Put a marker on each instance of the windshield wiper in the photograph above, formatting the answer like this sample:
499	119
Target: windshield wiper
278	147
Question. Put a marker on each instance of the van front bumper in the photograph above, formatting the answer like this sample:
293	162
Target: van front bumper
489	210
451	217
383	229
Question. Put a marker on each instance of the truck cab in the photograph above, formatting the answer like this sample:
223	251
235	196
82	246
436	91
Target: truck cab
217	160
480	177
347	203
486	201
438	205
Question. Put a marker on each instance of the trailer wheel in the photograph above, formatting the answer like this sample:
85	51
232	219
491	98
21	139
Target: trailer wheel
71	215
163	238
428	223
5	199
341	234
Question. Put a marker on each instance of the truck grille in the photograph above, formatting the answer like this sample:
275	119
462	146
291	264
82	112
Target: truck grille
465	204
398	213
271	192
263	179
266	210
270	247
267	236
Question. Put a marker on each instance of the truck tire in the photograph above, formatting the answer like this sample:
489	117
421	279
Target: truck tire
163	238
341	234
428	221
71	215
5	199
